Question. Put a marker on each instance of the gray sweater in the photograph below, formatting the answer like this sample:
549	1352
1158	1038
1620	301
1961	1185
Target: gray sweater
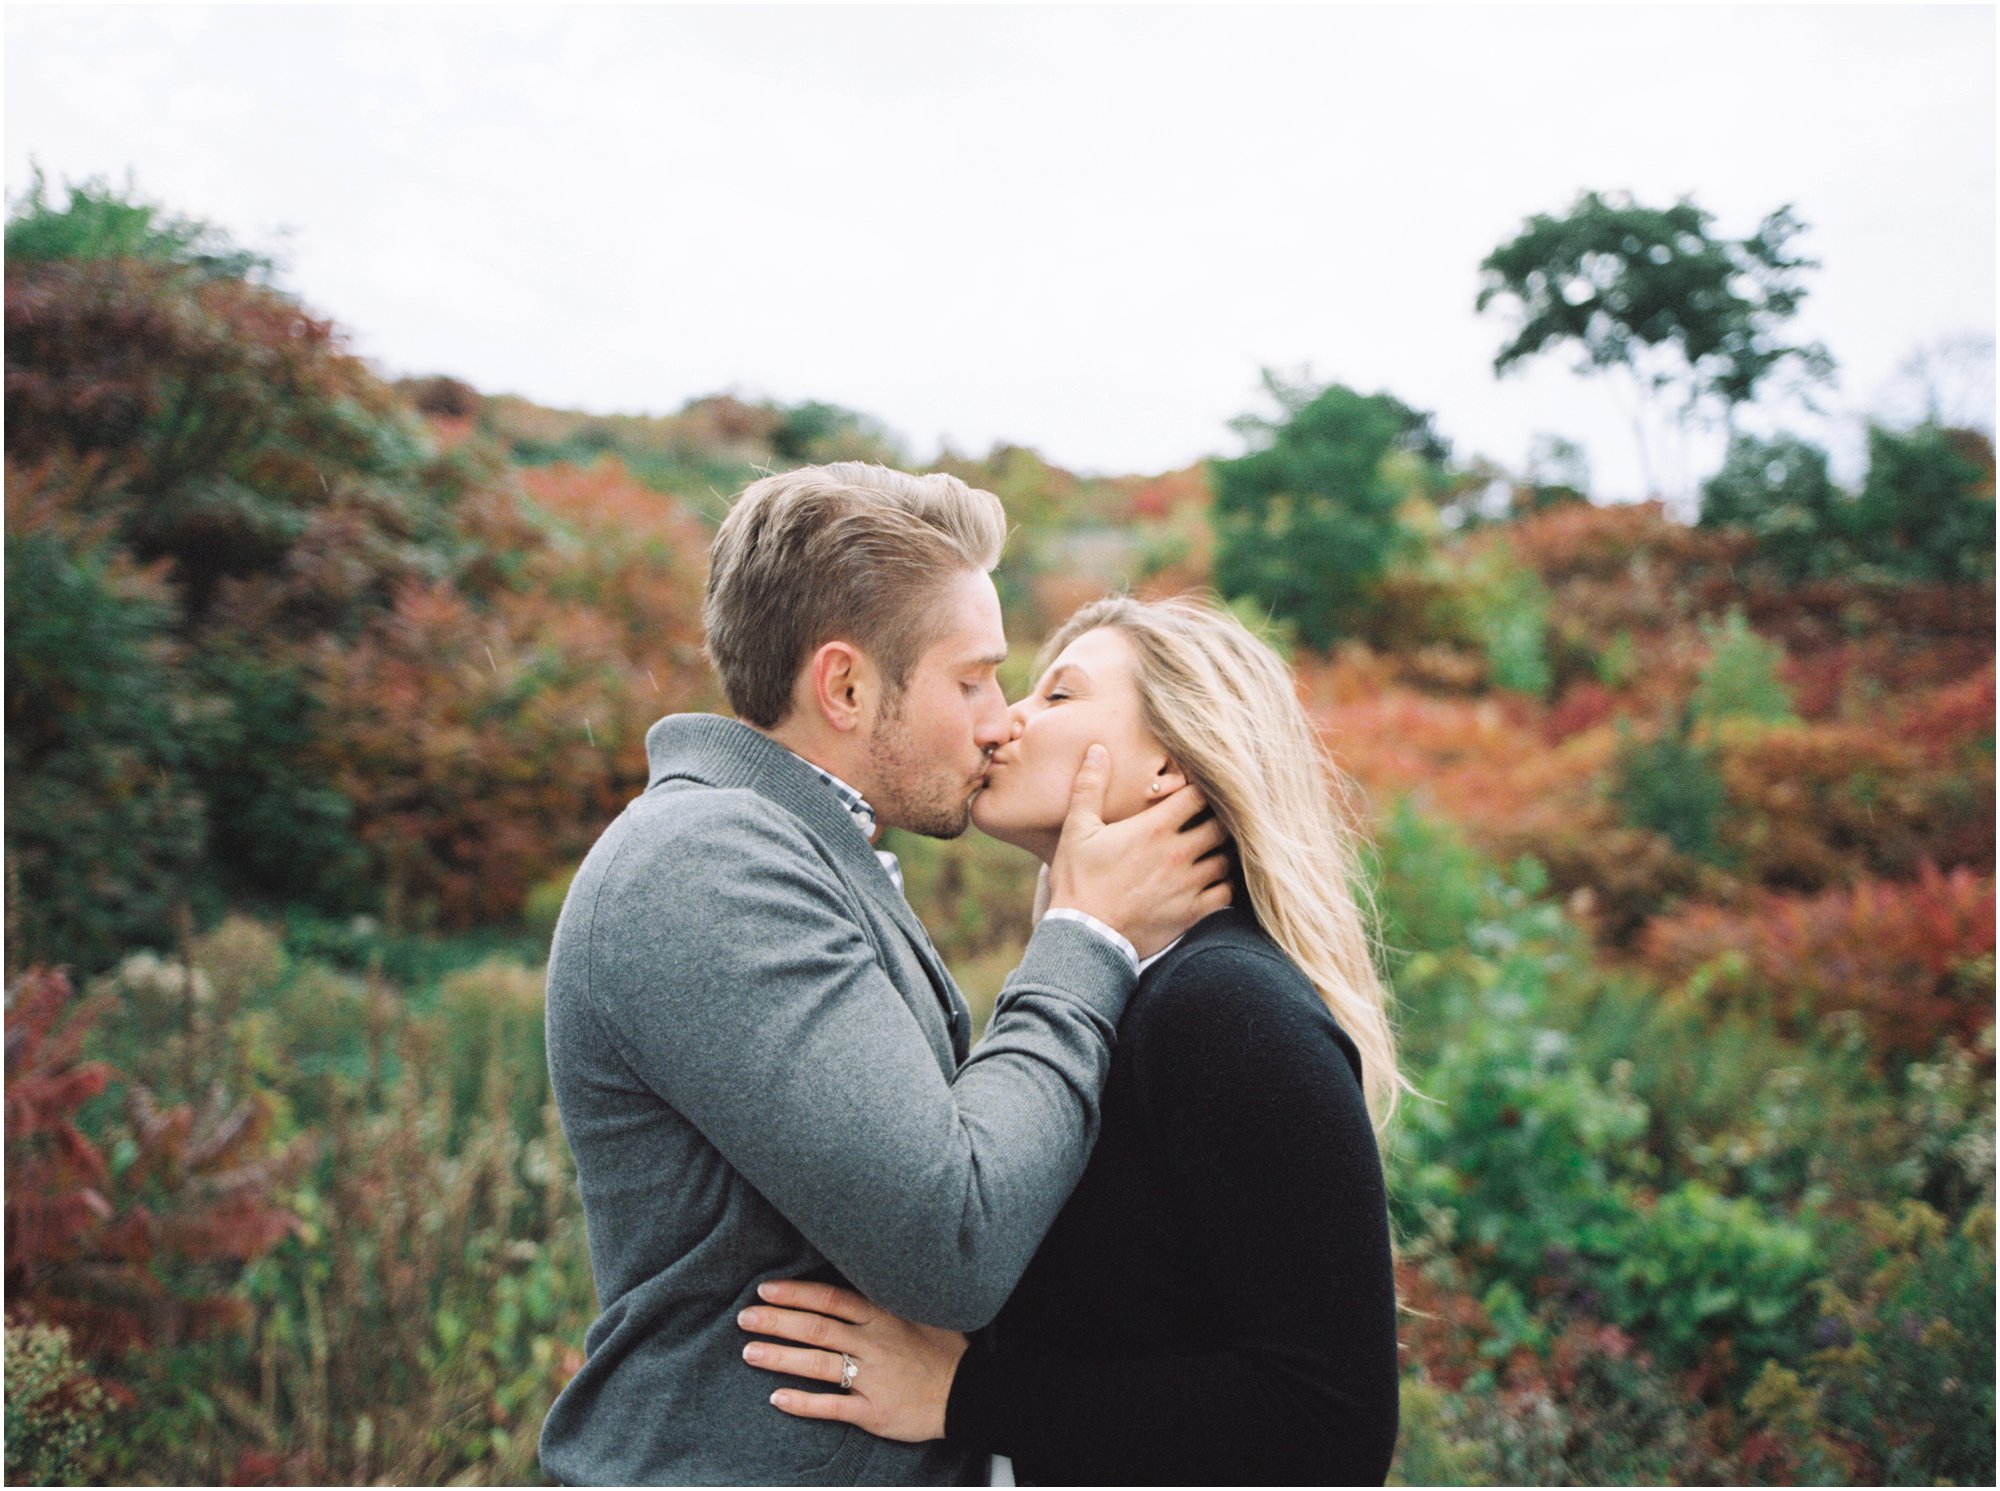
761	1066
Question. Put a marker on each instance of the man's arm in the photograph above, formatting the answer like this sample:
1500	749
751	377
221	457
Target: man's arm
739	984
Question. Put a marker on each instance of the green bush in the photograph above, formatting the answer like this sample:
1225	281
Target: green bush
1430	887
106	829
1900	1388
495	1051
97	222
1507	610
1309	520
1670	784
1518	1154
279	832
55	1410
1741	677
1697	1266
1514	1152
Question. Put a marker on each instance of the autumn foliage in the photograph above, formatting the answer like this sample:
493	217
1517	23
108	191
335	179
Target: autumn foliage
140	1257
318	687
1913	958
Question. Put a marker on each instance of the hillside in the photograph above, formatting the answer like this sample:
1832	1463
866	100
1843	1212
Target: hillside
319	687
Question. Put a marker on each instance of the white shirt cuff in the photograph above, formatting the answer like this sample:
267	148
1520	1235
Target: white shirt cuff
1071	914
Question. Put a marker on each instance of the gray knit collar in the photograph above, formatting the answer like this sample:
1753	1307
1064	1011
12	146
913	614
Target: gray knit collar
723	752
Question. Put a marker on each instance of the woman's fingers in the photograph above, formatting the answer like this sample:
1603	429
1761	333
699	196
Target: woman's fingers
802	1326
826	1299
846	1407
794	1361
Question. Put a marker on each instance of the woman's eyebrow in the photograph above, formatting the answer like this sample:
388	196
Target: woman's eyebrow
1056	674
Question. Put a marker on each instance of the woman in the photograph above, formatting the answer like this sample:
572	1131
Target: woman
1216	1302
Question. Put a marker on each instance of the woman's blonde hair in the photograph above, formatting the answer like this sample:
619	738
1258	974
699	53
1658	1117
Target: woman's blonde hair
1224	706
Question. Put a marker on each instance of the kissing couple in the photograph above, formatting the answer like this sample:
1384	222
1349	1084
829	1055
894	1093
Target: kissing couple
1138	1235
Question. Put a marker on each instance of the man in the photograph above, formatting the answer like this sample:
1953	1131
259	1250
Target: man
761	1063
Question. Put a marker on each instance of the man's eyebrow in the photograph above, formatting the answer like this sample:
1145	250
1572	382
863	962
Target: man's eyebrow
990	660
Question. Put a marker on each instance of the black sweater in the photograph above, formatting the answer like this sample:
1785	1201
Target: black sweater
1216	1303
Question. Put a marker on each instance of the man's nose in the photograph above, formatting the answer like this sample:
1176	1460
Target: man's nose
996	726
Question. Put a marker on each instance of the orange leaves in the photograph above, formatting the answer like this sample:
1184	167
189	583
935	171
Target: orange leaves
485	746
1914	959
1953	721
638	557
1815	805
1158	497
1480	763
1626	541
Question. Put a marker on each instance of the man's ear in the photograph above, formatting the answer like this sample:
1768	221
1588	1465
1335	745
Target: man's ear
841	680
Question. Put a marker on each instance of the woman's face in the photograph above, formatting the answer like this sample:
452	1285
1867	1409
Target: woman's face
1090	695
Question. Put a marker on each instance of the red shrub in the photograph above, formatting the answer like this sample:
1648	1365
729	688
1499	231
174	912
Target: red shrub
1440	1328
484	747
1945	722
1817	805
143	1258
1582	707
1618	542
1157	497
1914	959
1482	764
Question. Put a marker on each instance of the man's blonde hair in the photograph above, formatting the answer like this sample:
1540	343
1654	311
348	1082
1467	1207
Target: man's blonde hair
850	551
1224	706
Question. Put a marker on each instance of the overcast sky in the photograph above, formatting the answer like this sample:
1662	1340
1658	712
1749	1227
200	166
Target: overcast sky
1080	229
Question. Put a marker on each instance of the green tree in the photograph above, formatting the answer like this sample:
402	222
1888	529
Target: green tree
201	481
819	432
105	825
1926	509
1671	784
1780	490
98	222
1310	518
1656	294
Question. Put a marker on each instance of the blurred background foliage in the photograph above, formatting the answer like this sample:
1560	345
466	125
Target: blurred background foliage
319	686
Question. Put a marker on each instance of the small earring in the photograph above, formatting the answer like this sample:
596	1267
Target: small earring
1154	790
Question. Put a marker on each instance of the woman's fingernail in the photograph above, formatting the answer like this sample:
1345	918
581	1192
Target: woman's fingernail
778	1399
748	1320
763	1291
754	1352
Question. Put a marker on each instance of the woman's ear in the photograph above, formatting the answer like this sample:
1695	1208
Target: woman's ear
1167	779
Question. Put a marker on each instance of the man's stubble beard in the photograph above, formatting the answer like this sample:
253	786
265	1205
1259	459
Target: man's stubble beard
910	793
